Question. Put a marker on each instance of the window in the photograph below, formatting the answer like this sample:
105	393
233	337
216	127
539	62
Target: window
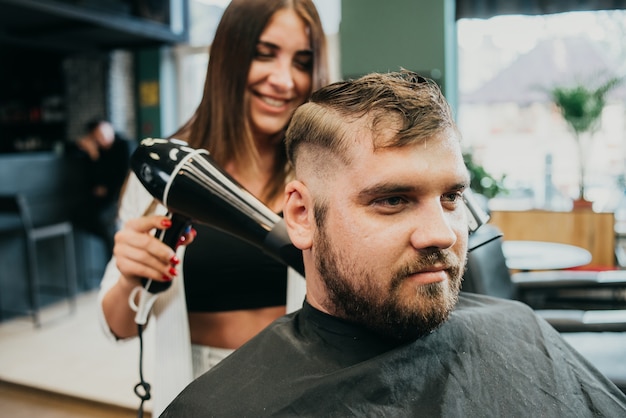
506	66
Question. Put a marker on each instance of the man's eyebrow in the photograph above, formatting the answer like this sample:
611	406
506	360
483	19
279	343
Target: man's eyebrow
386	189
397	188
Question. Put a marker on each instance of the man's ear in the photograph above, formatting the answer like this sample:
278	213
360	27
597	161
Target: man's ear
298	214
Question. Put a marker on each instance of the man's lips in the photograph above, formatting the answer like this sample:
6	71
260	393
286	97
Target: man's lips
428	275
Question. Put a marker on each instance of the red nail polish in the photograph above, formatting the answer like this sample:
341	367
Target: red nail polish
166	223
173	271
174	260
194	232
167	278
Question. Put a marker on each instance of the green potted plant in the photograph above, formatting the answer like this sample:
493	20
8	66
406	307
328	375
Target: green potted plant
581	106
481	181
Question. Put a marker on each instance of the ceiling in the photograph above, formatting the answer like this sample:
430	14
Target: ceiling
63	27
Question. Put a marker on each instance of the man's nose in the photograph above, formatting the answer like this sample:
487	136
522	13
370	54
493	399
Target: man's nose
433	228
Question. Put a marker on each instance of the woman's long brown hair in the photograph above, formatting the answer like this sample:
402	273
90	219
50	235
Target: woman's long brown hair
220	123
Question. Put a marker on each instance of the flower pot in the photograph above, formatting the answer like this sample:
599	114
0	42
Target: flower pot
582	204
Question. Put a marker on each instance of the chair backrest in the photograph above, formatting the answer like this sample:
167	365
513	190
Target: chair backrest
8	204
45	209
11	216
31	211
486	271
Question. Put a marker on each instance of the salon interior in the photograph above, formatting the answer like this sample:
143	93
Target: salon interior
141	64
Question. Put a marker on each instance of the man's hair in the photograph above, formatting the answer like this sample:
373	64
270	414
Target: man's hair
92	124
405	101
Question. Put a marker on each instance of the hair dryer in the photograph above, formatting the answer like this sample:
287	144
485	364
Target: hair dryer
194	188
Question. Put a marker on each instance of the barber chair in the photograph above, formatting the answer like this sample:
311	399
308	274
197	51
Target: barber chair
488	274
35	220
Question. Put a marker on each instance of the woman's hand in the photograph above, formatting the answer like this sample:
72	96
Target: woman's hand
139	254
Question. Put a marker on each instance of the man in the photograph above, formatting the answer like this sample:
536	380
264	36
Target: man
107	167
377	210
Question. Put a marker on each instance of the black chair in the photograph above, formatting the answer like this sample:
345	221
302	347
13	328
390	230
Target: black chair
39	220
488	274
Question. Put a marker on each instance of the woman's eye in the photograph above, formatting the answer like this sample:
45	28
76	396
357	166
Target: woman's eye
264	51
264	54
304	63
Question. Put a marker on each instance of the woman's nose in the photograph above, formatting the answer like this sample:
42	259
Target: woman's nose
281	76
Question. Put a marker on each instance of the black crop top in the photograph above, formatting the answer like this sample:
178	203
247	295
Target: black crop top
224	273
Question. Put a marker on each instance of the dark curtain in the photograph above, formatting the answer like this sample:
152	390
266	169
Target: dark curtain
488	8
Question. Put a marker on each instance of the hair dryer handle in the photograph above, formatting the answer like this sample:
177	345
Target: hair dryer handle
171	237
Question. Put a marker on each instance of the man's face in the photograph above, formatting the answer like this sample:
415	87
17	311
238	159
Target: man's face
104	135
391	241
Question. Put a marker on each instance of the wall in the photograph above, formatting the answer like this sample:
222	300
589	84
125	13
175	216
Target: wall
32	103
85	87
156	92
418	35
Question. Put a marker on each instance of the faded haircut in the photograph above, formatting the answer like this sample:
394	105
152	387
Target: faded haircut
413	105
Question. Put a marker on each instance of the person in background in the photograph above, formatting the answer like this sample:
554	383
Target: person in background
108	162
266	59
377	209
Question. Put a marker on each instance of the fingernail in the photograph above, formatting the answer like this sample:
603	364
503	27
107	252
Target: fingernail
167	278
174	260
166	223
173	271
194	232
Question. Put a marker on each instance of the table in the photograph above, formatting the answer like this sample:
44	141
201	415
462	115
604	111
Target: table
540	255
591	230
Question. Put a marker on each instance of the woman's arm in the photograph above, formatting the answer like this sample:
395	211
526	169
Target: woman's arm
136	254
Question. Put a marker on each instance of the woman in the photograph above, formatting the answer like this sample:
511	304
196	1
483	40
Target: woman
266	58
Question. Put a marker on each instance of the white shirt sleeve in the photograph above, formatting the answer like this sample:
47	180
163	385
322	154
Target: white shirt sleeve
133	204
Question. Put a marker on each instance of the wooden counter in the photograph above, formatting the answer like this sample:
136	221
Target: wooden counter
584	228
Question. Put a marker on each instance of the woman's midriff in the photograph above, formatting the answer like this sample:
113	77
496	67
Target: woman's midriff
230	329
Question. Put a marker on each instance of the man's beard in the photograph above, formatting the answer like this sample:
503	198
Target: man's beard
387	311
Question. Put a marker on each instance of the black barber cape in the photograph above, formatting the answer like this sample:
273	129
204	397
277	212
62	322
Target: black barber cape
492	358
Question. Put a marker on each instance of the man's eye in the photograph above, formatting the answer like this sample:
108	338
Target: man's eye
390	202
452	197
394	201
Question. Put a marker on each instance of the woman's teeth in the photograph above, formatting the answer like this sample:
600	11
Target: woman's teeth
273	102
